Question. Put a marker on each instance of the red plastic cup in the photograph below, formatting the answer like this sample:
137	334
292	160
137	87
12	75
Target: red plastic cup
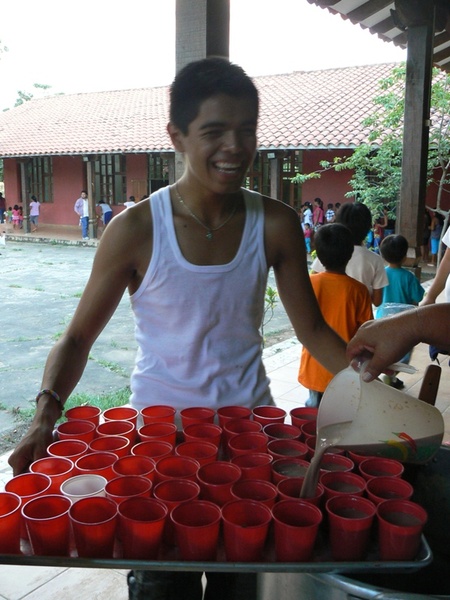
128	486
342	483
288	467
245	528
203	452
141	526
379	489
236	427
196	414
94	522
290	488
302	414
84	413
229	413
123	428
83	486
255	489
336	462
72	449
58	468
296	524
197	525
282	431
255	465
118	444
48	525
161	432
350	521
158	413
10	523
76	430
309	430
121	413
176	467
358	458
215	480
174	492
400	526
28	486
380	467
244	443
287	448
155	450
203	432
96	463
135	465
268	414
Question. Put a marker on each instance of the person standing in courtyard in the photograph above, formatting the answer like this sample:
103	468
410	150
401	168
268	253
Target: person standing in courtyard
204	232
365	266
107	212
402	292
34	212
81	207
345	303
2	208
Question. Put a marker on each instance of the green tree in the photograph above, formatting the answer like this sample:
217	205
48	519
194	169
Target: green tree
376	164
26	96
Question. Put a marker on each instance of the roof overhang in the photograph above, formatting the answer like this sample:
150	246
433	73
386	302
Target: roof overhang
382	18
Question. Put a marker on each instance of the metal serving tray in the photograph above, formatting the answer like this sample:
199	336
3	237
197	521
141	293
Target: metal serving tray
170	561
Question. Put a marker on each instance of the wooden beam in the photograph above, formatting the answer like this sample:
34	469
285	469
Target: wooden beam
416	132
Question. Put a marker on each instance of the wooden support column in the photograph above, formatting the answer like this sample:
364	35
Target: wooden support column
202	29
275	191
410	214
24	196
91	200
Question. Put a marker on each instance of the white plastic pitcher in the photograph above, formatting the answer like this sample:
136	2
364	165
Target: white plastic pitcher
376	419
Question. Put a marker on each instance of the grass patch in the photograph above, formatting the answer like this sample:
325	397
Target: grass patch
14	285
103	401
111	366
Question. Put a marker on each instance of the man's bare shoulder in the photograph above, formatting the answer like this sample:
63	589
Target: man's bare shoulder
129	234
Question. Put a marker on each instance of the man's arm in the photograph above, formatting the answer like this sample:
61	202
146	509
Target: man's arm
120	261
384	341
439	281
285	251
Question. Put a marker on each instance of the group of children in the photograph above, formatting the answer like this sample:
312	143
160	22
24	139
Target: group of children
14	216
312	218
348	279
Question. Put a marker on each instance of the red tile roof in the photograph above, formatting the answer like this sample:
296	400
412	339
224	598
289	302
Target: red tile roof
302	110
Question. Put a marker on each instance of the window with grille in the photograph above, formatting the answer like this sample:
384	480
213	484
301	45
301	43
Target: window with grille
39	174
109	176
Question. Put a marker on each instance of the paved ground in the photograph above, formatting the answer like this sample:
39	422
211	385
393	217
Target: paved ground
40	287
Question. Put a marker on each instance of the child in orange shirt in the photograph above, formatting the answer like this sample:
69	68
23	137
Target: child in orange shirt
345	303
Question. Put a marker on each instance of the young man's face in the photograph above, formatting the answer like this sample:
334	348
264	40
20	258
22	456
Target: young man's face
220	143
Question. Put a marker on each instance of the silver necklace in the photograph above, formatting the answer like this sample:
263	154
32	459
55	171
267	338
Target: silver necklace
209	230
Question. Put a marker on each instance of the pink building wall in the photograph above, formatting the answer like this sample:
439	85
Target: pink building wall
331	186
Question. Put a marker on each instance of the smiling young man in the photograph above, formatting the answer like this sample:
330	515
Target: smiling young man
195	259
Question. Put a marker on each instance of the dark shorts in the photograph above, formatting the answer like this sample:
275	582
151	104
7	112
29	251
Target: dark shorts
174	585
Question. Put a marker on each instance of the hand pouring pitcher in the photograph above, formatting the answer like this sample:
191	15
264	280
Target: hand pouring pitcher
376	419
373	419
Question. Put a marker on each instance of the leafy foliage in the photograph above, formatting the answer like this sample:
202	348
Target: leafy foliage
377	164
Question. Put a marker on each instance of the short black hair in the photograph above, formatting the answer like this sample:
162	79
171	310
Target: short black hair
334	245
357	217
203	79
394	248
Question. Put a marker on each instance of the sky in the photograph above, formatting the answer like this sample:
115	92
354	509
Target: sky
97	45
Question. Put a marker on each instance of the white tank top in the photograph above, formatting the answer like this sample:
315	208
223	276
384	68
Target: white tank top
197	326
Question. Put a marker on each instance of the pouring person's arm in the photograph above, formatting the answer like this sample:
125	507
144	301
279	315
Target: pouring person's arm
385	341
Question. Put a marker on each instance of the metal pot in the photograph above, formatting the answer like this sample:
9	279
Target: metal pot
431	484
